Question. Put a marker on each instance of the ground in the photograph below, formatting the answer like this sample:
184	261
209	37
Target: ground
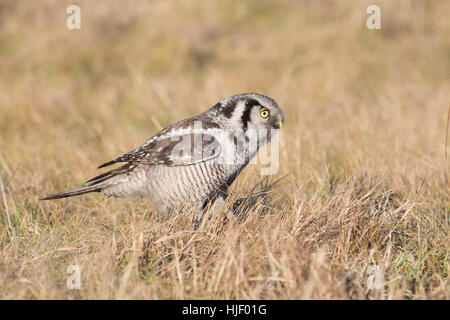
363	212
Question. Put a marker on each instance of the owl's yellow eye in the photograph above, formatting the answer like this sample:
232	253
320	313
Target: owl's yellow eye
264	113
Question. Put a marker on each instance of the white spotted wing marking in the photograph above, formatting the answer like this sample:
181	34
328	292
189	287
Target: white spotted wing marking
174	150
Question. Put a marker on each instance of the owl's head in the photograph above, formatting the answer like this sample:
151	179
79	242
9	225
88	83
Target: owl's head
249	111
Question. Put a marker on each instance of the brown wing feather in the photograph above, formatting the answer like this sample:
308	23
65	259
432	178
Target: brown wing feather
105	176
176	150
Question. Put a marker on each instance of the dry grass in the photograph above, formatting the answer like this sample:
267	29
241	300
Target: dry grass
363	146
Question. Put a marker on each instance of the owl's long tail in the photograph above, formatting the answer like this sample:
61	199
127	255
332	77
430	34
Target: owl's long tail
74	192
97	184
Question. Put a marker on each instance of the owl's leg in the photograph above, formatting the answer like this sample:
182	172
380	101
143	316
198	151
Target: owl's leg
200	214
217	206
214	206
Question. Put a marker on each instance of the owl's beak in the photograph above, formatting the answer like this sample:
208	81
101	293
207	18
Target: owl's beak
278	121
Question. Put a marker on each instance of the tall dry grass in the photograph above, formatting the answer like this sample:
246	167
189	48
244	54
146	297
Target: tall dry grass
363	148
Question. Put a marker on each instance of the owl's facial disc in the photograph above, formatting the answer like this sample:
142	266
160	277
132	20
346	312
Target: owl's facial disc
266	116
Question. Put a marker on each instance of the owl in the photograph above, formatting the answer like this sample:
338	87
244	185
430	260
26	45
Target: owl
191	163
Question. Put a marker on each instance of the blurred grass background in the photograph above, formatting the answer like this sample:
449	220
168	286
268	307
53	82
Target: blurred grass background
363	146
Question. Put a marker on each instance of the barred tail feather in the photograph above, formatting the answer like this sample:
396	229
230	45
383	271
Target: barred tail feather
74	192
96	184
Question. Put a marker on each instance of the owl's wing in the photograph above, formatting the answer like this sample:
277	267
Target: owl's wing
175	150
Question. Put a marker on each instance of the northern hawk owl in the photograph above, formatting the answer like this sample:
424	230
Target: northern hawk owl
191	163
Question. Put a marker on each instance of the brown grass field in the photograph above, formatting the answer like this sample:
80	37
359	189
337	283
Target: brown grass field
363	148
